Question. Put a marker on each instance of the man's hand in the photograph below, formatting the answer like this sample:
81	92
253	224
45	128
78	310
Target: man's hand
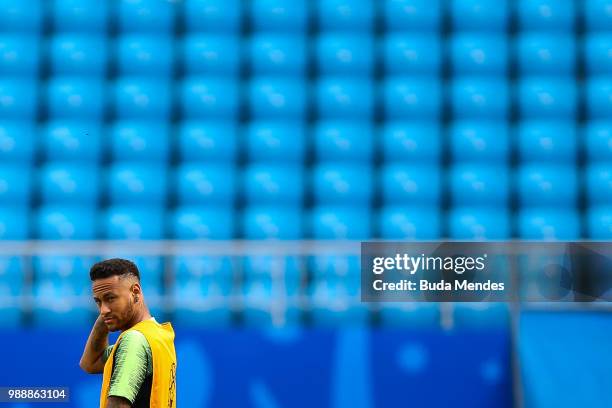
117	402
91	360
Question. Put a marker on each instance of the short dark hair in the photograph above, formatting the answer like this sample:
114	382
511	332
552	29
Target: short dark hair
112	267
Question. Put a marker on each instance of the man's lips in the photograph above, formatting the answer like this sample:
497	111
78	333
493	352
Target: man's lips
108	320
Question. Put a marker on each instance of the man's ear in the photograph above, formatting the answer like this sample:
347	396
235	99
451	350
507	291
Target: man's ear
136	291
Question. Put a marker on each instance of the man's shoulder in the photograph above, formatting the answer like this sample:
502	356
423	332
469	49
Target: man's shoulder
133	338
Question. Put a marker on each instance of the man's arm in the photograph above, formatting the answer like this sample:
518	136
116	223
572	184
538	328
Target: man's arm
117	402
91	360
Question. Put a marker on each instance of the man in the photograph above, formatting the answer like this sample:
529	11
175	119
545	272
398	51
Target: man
139	370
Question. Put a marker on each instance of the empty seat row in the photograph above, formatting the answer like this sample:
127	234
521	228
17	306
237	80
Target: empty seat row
328	183
402	53
282	98
322	222
282	141
155	16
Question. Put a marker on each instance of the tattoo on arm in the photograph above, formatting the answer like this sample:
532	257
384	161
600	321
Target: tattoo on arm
117	402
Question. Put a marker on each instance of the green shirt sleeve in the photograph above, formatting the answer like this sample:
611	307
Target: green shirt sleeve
131	365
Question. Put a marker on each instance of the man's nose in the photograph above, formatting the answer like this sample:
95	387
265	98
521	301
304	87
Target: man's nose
104	309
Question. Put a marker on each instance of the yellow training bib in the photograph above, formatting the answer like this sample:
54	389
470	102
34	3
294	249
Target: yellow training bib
161	340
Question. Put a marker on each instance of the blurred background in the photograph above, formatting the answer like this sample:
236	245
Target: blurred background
239	151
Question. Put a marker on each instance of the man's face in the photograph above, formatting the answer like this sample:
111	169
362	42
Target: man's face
115	299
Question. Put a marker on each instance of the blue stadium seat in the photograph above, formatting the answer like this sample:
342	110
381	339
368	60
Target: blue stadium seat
11	275
281	53
69	268
410	314
480	15
599	184
262	305
273	184
547	141
349	184
545	15
410	184
479	223
408	15
271	300
478	54
210	54
19	56
412	98
273	97
218	16
80	16
546	53
78	54
597	136
334	268
15	184
212	268
14	222
333	303
408	223
209	184
272	222
549	224
132	184
202	222
343	53
79	141
355	15
598	53
599	222
201	297
599	97
61	303
342	98
280	15
597	15
411	142
479	141
280	274
481	98
71	221
146	98
18	98
547	98
139	140
69	183
133	222
200	302
146	55
207	97
207	141
344	141
21	16
339	222
412	54
75	98
17	142
481	315
479	185
547	185
275	141
151	16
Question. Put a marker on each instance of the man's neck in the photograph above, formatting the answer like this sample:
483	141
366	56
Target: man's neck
142	315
